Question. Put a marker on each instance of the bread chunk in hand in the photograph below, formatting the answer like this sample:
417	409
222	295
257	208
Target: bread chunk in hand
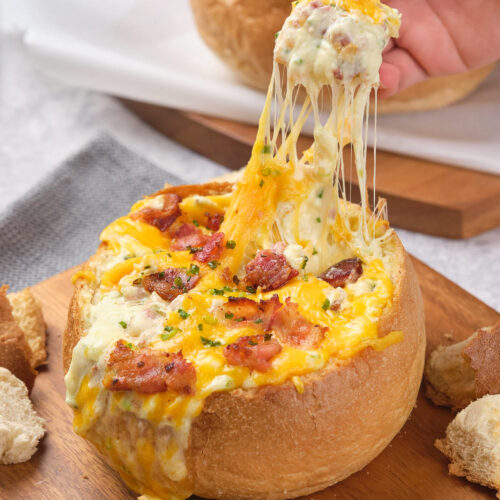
462	372
20	427
472	442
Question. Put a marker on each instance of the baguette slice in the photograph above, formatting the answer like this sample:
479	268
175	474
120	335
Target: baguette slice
28	315
15	353
472	443
20	427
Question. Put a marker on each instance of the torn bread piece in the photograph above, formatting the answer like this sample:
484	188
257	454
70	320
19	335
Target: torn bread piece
462	372
20	427
27	313
472	443
15	353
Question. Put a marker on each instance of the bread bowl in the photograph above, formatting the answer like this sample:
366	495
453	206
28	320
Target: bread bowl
257	339
242	32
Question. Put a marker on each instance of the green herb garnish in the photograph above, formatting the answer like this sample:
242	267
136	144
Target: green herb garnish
229	315
193	269
320	194
304	262
266	149
325	305
216	291
122	324
196	223
230	244
258	320
261	183
251	289
266	171
200	327
213	264
183	314
318	219
210	343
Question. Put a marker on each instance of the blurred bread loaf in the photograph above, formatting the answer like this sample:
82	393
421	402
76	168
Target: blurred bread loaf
472	442
242	34
462	372
20	427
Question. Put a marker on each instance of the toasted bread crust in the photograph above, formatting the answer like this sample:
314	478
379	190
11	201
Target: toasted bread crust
272	442
15	353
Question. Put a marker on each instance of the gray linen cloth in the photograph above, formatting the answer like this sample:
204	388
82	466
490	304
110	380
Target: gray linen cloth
56	225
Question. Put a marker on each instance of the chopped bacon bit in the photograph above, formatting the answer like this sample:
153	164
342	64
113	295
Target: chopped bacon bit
169	283
214	220
148	371
484	355
161	218
269	270
227	275
238	310
254	352
343	272
188	236
293	329
211	249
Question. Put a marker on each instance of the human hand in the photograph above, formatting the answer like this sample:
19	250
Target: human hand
437	38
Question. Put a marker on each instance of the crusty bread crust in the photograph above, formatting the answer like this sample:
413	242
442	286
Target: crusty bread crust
15	353
242	34
272	442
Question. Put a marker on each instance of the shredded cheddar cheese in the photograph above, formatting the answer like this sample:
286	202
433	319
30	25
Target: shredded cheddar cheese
286	198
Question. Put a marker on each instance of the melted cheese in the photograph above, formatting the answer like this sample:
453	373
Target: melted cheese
285	196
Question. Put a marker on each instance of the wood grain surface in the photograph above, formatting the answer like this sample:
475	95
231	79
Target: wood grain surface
67	467
423	196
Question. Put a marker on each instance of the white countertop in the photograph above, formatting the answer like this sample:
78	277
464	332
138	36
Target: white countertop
43	121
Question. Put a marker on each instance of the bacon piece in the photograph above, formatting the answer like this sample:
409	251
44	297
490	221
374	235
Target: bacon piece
211	249
269	270
254	352
161	218
169	283
293	329
147	371
188	236
484	355
214	220
240	310
343	272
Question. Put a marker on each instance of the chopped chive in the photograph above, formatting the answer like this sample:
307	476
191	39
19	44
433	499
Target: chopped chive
168	328
213	264
304	262
266	171
161	275
210	343
193	249
315	252
227	289
216	291
183	314
196	223
178	282
193	269
251	342
325	305
131	346
318	219
200	327
266	149
261	183
277	34
239	320
251	289
122	324
320	194
229	315
230	244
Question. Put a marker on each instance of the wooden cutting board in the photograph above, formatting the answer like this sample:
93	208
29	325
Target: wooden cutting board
423	196
67	467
